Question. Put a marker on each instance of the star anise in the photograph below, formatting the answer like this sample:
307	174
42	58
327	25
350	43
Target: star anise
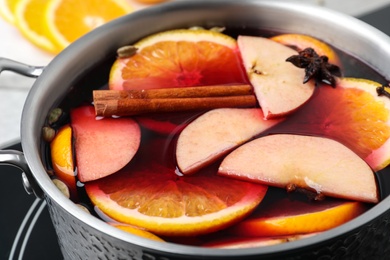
383	90
316	67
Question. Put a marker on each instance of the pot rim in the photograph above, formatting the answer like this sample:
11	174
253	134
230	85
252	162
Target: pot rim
31	119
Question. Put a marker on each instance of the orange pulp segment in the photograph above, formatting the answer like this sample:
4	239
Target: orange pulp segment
68	20
179	58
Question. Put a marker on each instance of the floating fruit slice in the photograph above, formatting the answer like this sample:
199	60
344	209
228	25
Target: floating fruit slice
246	242
152	196
61	150
102	146
215	133
300	42
277	84
67	20
179	58
29	15
137	231
285	216
318	164
351	113
7	10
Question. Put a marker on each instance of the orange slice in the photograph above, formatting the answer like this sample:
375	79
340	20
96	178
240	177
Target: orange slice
351	113
301	42
137	231
68	20
7	10
179	58
251	242
292	217
62	157
152	196
29	20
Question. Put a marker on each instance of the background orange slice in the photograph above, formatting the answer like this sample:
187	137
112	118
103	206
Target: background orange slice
7	10
29	15
67	20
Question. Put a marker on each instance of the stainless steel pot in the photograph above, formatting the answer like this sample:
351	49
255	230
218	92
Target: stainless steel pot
82	236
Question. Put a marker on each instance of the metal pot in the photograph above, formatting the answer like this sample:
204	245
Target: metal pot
82	236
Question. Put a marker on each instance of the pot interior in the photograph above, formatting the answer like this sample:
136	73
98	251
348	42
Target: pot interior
86	63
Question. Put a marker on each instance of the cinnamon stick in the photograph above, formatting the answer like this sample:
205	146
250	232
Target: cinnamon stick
135	102
185	92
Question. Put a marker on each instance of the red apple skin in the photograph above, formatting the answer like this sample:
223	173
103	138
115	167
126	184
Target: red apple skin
278	85
102	146
216	133
314	163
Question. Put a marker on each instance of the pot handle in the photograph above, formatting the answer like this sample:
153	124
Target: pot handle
20	68
14	157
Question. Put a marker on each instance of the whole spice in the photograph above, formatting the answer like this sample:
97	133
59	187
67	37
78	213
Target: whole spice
48	133
311	195
316	67
135	102
54	115
383	90
126	51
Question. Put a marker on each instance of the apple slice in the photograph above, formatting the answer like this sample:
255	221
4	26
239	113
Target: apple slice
102	146
278	85
215	133
314	163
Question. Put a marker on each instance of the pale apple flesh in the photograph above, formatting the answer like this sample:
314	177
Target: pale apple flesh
216	133
314	163
102	146
278	85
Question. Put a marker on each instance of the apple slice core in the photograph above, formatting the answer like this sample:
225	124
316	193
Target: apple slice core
278	85
314	163
216	133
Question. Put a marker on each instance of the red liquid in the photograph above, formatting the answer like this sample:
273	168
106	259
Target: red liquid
157	152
